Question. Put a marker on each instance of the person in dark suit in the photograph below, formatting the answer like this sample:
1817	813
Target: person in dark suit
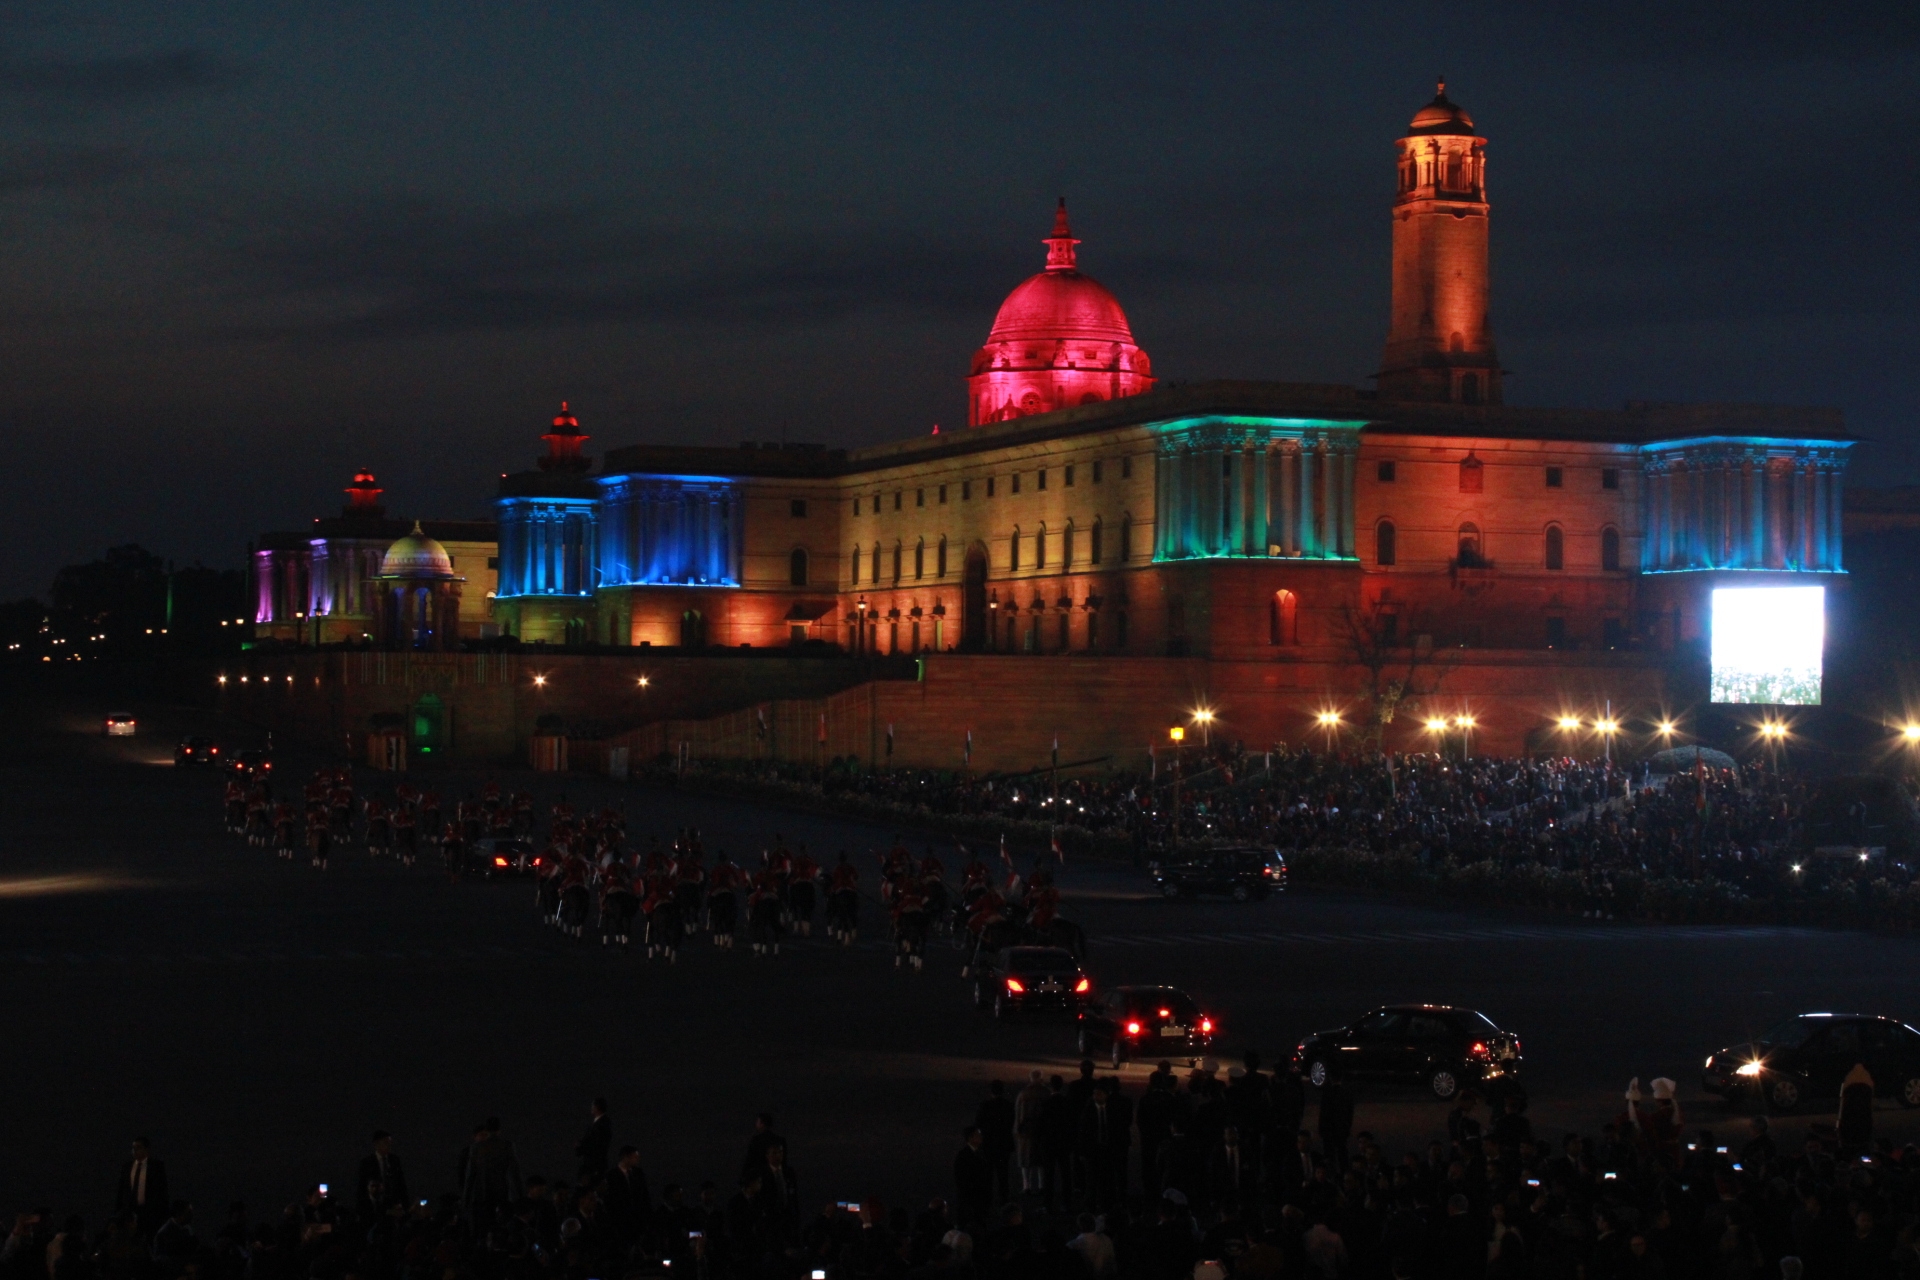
142	1190
492	1175
591	1151
995	1119
972	1182
629	1206
1336	1123
382	1182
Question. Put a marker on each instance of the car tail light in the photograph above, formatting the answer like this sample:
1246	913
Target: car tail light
1133	1028
499	862
1206	1026
1015	985
1479	1049
1166	1013
1083	986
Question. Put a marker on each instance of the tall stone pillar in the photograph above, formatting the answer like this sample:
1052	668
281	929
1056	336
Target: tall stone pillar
1309	546
1260	463
1755	531
1286	498
1344	522
1235	542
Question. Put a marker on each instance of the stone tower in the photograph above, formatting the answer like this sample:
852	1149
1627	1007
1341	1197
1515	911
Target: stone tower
1440	344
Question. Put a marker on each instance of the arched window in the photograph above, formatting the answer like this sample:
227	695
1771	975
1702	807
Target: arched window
1095	539
1386	540
1283	618
1013	551
1470	478
898	549
920	559
876	564
940	558
1470	388
1556	548
1040	548
1610	549
1470	555
1066	547
797	567
1126	538
856	564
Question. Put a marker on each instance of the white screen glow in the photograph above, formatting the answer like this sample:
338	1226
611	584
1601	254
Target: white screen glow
1767	644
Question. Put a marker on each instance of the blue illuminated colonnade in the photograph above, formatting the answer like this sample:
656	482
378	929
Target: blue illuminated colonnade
1726	502
1255	486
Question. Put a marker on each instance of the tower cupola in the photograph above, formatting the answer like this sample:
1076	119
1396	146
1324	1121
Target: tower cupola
563	443
1440	339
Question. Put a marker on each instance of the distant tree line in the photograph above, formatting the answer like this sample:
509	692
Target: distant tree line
130	603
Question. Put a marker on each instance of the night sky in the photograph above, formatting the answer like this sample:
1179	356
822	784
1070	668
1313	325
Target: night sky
245	248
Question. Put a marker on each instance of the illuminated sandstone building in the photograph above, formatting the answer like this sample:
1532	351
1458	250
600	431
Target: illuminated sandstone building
1255	541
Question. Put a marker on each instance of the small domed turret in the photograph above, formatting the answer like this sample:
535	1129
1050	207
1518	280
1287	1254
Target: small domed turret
1442	115
417	557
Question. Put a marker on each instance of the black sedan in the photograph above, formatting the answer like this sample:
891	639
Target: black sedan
1145	1022
1240	874
1436	1046
1809	1056
196	751
252	762
497	857
1030	979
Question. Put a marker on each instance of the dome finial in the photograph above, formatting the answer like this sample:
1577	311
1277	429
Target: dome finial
1440	87
418	532
1060	256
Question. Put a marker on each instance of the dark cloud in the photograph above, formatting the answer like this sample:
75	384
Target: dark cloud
120	78
66	168
414	269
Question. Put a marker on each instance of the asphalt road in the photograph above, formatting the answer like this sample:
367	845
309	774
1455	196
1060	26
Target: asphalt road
259	1019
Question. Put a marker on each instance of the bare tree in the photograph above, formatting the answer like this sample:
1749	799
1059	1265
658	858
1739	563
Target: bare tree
1401	668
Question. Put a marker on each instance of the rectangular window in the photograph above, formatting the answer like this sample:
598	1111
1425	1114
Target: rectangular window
990	486
897	495
1385	473
856	505
798	508
1556	633
1126	470
493	562
1096	471
940	561
1016	482
1609	477
1043	478
1390	629
919	497
1614	633
1126	542
943	495
966	491
1553	477
1069	476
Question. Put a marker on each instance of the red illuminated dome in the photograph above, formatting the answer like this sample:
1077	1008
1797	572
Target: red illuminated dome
1059	340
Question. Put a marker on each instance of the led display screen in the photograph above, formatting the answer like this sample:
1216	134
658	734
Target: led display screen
1767	644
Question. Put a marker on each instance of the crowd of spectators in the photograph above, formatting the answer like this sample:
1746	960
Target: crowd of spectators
1196	1174
1740	829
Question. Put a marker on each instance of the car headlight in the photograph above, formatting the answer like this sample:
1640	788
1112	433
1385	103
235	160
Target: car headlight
1748	1068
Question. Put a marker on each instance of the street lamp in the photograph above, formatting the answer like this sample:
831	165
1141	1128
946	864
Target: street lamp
1466	725
1204	718
1607	726
1911	733
1329	721
644	682
1177	735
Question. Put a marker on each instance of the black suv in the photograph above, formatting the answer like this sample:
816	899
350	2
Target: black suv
1145	1021
1025	979
1241	874
1434	1045
196	751
1809	1056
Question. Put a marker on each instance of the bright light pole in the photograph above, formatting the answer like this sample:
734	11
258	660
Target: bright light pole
1204	718
1176	735
1437	725
1329	721
1466	725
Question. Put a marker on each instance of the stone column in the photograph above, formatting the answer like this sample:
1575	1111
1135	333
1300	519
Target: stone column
1655	496
1286	497
1834	475
1307	543
1260	462
1756	521
1348	461
1234	543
